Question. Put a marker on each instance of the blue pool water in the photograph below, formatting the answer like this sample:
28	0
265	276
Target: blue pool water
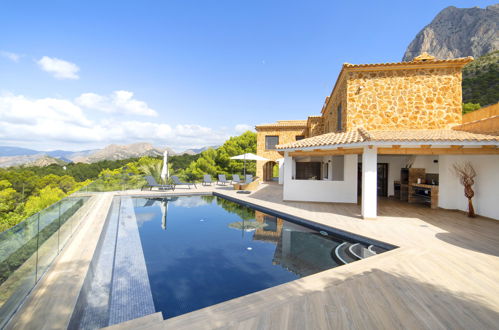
203	250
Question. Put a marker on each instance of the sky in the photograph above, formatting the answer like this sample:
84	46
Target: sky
78	75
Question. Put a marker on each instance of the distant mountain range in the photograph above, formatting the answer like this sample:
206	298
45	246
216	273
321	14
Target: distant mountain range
13	156
458	32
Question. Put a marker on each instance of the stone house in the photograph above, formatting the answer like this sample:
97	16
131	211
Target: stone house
378	121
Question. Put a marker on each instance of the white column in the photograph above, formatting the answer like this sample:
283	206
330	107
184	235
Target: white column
288	167
369	182
280	162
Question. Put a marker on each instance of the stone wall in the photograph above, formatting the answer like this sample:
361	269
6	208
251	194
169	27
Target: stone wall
330	113
422	98
286	135
484	121
315	126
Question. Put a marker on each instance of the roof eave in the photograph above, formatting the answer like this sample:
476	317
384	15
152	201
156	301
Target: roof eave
392	142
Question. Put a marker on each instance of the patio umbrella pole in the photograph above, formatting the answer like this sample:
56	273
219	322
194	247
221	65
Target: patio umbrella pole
244	167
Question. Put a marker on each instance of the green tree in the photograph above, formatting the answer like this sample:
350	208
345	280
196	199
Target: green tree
8	197
205	164
151	167
218	161
469	107
44	198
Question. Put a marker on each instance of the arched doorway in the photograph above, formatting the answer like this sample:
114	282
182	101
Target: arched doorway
270	171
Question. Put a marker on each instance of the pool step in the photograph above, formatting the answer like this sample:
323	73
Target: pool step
358	251
340	254
346	253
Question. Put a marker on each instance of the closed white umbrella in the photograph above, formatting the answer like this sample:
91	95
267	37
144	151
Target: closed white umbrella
248	156
164	172
164	210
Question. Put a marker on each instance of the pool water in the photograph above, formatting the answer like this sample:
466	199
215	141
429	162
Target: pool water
203	250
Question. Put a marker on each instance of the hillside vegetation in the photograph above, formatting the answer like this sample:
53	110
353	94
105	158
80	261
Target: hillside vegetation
29	189
481	82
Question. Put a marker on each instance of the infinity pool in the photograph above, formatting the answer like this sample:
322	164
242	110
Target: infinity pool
178	254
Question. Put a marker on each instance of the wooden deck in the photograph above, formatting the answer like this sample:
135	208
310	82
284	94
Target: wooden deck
445	275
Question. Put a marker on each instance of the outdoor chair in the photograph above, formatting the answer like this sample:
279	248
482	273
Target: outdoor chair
177	182
222	179
151	183
249	178
235	178
207	180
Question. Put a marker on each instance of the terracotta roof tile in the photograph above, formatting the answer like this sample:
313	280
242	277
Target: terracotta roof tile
462	60
285	123
361	135
325	139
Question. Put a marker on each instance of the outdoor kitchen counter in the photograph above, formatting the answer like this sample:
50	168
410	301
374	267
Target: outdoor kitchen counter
415	195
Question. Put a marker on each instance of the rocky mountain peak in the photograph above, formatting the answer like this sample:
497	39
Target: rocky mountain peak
458	32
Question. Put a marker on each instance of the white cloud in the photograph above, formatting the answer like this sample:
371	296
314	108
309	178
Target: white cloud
60	69
11	56
55	123
118	102
241	128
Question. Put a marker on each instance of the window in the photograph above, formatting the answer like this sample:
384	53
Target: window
338	118
271	141
308	170
299	137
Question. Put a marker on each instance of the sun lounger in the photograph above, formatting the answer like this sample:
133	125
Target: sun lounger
235	178
222	179
207	180
177	182
151	183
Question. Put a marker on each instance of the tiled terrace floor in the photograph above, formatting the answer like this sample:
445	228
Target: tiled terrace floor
445	275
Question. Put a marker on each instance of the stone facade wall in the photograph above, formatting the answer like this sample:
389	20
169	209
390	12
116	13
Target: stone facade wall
330	113
286	135
315	126
422	98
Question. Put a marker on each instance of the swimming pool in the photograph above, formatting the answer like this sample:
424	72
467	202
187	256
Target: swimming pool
177	254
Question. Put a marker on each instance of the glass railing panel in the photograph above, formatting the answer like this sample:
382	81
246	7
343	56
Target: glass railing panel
65	229
48	238
28	249
18	257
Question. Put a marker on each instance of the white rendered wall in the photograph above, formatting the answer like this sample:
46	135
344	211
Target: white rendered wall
426	162
280	162
451	192
321	190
